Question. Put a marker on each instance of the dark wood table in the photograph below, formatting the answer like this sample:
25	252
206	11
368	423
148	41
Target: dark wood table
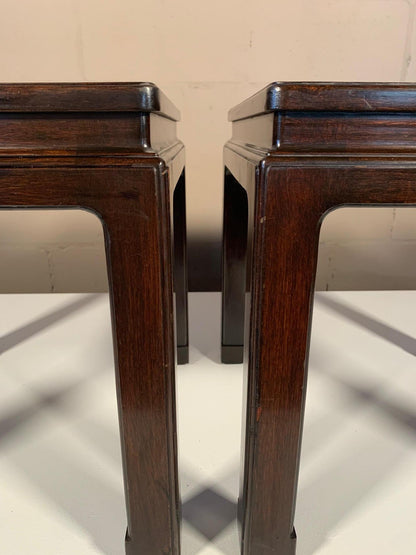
298	151
111	149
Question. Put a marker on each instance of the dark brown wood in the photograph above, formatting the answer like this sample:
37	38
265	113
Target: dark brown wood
131	192
293	191
180	270
328	97
234	270
85	97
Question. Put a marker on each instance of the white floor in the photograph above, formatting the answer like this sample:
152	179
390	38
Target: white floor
60	473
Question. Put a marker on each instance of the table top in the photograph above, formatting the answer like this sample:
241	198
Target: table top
85	97
328	97
60	468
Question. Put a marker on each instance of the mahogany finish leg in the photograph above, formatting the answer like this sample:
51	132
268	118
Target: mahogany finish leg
181	270
133	204
291	204
143	315
285	254
233	269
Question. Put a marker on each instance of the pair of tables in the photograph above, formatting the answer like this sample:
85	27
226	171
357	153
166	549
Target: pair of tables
297	152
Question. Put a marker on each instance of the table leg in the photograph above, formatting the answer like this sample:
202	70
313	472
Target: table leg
286	238
233	269
181	270
139	248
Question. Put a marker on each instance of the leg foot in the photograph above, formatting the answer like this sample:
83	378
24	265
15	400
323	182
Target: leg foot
232	354
183	354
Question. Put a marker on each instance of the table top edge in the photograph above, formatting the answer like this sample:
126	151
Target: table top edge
85	97
328	96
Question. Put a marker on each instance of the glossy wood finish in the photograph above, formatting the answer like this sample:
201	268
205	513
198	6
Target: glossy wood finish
85	97
290	190
131	189
328	97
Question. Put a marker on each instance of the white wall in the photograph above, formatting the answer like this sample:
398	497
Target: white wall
207	57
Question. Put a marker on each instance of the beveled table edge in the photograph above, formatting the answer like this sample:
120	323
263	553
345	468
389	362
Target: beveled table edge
328	96
86	97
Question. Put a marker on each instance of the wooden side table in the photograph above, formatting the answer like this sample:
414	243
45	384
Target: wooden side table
297	152
111	149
